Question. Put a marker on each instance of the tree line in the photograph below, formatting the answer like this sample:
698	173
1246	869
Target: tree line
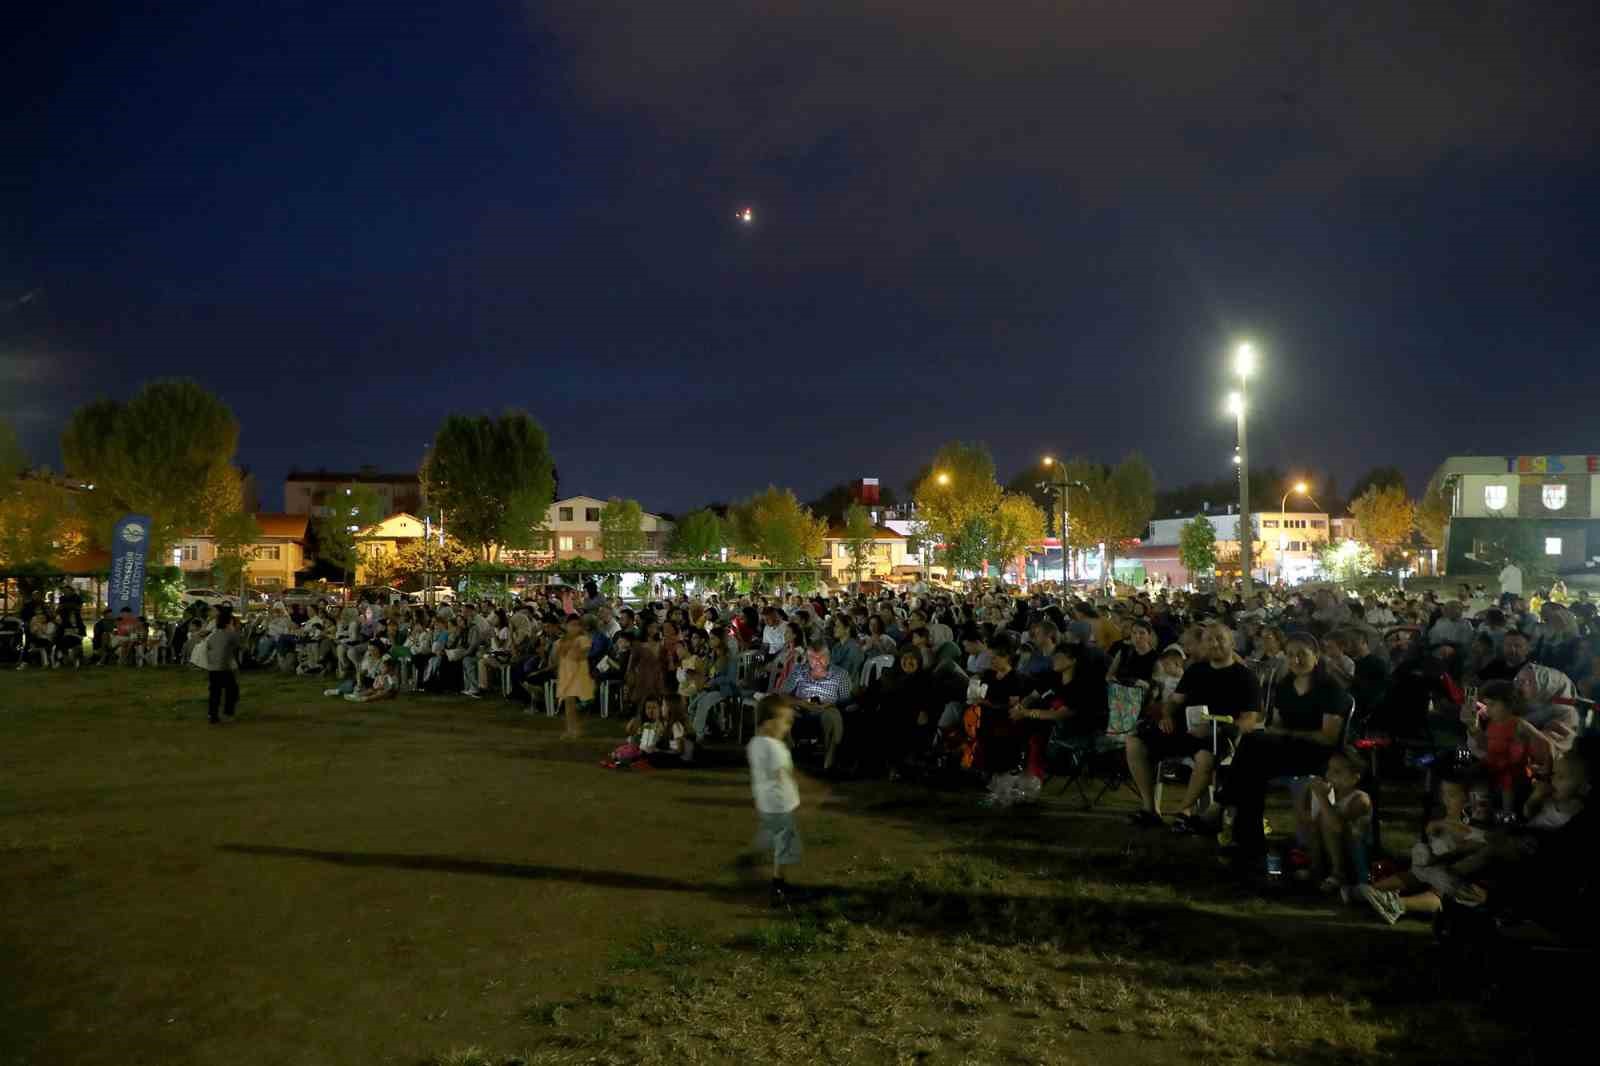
169	451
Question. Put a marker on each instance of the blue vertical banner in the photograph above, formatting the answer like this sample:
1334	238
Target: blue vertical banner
130	544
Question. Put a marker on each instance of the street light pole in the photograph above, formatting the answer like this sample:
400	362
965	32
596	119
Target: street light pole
1244	364
1063	488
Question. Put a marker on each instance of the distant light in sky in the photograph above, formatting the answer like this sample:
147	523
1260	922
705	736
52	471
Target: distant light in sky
745	215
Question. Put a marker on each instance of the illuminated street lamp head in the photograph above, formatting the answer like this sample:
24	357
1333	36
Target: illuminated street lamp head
1244	360
942	478
1300	487
1236	459
1049	460
1235	403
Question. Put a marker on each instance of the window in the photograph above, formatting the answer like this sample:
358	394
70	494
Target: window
588	544
564	543
1269	523
268	551
591	514
1297	545
1555	497
1552	545
189	553
563	514
1494	497
1317	523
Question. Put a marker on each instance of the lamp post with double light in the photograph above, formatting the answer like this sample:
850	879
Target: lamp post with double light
1063	487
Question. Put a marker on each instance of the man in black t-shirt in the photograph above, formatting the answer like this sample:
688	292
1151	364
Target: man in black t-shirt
1218	682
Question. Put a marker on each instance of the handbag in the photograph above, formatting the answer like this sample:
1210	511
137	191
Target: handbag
198	656
1126	703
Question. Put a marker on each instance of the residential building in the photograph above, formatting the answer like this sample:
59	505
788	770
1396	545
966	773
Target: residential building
574	525
311	492
885	552
1288	544
1556	498
273	560
384	540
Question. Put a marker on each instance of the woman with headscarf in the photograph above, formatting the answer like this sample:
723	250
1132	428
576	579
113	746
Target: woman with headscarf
1547	696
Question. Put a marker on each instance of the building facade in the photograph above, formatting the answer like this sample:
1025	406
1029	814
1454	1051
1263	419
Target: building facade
273	561
574	525
1556	498
311	492
884	553
1288	544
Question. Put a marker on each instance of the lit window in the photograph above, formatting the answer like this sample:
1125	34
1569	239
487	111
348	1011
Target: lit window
565	544
1555	497
1494	497
1552	545
588	543
1269	523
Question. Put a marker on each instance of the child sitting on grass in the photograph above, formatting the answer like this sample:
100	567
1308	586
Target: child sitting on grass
643	730
386	685
1336	817
1447	839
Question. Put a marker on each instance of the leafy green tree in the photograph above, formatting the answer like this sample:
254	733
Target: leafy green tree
39	520
356	508
1347	561
698	536
235	533
1197	546
1433	510
1115	507
621	530
1385	518
166	453
956	499
773	526
419	558
493	478
859	536
1017	525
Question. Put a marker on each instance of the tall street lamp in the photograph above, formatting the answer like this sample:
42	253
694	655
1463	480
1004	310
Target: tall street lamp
1244	364
1062	487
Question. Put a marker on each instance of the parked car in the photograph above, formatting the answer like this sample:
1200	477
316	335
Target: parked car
386	594
437	594
304	598
209	597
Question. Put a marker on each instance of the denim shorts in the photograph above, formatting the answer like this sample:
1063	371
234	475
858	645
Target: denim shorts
781	836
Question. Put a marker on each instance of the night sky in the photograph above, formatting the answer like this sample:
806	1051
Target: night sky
1039	224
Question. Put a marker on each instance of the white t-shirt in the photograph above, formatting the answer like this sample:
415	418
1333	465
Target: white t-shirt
772	775
1511	579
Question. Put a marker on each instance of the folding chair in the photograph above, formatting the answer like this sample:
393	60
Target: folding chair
606	685
1092	756
1216	760
550	698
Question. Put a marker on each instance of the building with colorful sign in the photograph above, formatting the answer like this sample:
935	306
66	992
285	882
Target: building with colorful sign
1557	497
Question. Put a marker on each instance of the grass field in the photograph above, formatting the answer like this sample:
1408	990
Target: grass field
446	881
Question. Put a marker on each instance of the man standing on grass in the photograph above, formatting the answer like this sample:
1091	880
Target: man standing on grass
222	665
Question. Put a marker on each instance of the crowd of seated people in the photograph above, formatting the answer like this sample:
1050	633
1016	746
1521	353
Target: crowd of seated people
1246	696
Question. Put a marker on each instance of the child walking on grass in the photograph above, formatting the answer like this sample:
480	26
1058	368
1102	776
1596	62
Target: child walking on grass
772	783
